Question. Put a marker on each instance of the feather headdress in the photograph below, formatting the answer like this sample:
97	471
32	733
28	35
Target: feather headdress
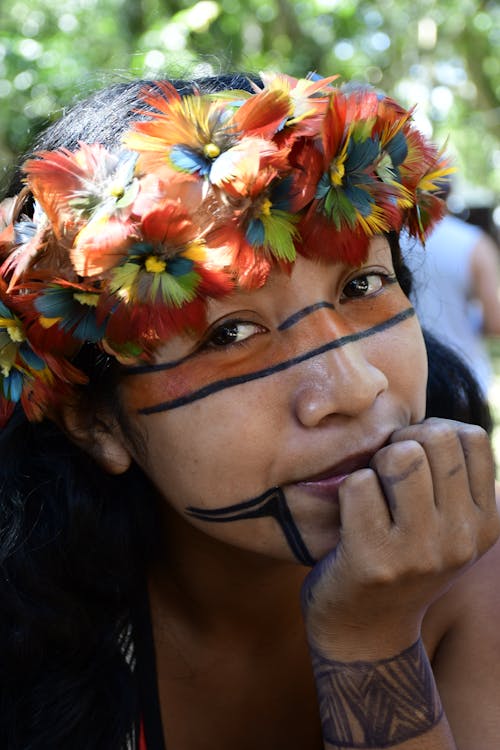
205	193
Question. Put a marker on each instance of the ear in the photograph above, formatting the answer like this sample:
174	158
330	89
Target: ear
100	437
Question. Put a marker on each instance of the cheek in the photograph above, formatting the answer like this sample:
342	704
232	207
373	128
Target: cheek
197	455
405	364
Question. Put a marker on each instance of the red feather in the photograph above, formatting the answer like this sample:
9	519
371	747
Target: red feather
6	410
102	245
249	266
307	163
150	325
169	222
321	239
261	115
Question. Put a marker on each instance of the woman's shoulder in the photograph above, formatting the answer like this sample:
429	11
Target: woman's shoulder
470	607
462	636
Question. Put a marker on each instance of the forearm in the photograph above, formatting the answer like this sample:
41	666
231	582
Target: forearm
380	704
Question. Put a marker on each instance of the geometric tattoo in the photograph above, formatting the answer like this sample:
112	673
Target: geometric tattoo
376	704
271	503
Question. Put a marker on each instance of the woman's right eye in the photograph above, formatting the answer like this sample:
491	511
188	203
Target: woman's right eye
231	332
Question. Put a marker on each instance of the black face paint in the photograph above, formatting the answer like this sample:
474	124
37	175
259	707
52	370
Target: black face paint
293	319
220	385
271	504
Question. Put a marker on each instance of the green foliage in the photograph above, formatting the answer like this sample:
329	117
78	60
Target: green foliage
443	56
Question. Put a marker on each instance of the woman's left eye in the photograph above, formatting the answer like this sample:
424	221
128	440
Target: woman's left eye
231	332
365	285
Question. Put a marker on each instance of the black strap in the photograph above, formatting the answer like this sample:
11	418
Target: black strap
147	679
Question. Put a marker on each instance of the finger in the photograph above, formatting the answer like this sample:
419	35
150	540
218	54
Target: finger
406	479
364	512
480	464
440	440
451	445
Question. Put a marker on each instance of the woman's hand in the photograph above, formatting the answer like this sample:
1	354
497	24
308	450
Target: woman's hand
422	514
410	524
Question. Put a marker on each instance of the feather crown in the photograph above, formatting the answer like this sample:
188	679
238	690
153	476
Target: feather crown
205	193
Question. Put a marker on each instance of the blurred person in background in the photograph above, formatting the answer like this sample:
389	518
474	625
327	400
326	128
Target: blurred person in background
455	289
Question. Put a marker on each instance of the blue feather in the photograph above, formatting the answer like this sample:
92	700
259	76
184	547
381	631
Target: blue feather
359	198
323	186
186	160
13	386
255	233
87	328
179	266
4	311
31	359
397	148
52	303
280	195
360	154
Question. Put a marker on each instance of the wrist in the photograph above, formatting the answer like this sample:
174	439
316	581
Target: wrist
372	704
353	642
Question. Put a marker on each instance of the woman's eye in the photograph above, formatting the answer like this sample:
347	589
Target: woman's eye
232	332
363	286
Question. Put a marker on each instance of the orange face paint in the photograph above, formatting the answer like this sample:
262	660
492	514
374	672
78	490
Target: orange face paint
302	336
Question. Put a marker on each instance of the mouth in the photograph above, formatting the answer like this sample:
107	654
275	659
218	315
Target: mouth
326	484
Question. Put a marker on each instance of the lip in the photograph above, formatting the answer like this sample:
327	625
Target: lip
326	484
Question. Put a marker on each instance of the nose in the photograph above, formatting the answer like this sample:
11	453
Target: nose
340	382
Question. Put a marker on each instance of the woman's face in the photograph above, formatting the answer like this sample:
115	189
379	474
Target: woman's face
251	427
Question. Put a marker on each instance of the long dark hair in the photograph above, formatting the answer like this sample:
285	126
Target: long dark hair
76	542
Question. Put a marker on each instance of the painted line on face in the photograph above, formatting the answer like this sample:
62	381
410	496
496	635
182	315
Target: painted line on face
293	319
271	504
231	382
287	323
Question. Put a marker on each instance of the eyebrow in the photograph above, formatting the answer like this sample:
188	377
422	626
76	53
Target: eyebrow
220	385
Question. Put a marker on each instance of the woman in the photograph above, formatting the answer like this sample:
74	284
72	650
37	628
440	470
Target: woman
225	519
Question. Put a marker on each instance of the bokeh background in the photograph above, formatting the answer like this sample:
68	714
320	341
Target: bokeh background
443	55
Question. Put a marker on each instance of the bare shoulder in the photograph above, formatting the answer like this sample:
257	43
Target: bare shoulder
471	604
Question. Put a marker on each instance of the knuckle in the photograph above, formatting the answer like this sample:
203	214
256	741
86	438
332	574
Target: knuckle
380	576
403	455
474	439
464	545
443	434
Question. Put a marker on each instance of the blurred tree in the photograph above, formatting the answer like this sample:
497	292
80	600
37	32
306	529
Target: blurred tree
446	59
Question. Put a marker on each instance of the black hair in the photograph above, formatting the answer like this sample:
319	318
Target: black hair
107	114
76	542
452	389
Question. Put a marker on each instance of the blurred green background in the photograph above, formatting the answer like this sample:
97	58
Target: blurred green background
445	56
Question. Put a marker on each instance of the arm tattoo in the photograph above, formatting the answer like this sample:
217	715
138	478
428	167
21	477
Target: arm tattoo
376	704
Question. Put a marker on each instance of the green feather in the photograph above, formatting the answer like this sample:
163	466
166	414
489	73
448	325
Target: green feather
175	290
362	129
339	208
280	234
124	277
